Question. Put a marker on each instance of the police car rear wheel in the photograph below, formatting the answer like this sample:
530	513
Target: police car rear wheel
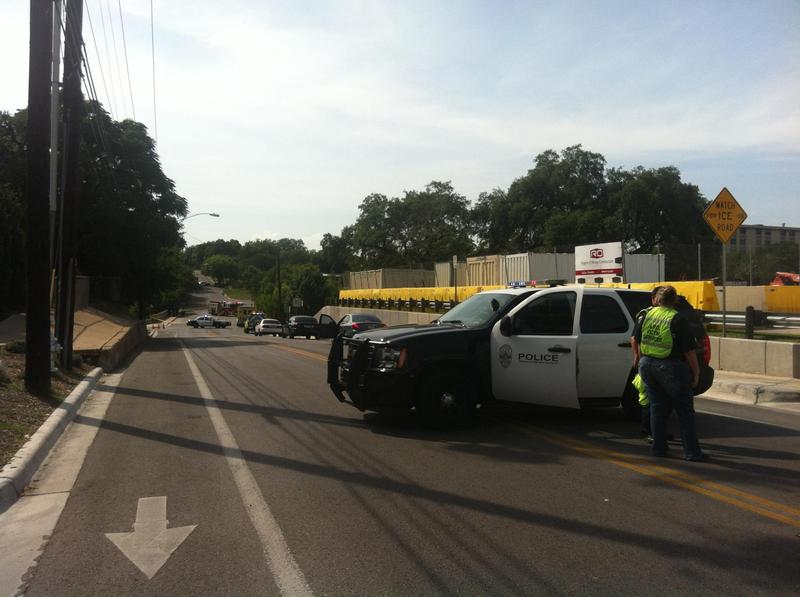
446	400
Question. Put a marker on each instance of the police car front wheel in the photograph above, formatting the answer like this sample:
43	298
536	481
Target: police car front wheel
446	399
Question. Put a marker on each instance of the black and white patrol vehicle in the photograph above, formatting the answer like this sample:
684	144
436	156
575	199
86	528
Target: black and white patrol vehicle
565	346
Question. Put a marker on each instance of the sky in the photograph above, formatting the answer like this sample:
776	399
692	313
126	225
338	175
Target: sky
282	116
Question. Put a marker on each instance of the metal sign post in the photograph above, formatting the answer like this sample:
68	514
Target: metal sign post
724	288
724	215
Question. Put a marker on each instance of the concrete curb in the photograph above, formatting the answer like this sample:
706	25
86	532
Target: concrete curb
757	393
16	475
754	392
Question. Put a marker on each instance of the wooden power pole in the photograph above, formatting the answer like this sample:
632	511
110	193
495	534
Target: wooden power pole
37	321
73	104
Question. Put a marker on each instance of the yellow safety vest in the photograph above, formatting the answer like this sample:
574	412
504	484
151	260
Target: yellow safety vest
656	334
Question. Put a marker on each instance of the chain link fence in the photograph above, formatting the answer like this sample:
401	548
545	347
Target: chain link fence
753	266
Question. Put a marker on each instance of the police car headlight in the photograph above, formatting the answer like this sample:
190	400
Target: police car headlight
387	357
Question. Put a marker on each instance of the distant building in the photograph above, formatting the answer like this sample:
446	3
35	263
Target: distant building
750	237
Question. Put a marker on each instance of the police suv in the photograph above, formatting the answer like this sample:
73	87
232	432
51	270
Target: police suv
564	346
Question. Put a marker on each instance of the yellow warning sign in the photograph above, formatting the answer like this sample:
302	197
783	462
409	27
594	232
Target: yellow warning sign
724	215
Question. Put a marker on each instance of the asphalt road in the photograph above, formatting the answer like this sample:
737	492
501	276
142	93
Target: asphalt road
292	492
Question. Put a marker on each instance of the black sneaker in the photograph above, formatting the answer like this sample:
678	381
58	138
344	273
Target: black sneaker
699	458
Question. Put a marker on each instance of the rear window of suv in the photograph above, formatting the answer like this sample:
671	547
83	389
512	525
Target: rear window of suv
306	319
634	301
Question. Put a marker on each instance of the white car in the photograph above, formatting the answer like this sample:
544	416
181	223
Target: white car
269	326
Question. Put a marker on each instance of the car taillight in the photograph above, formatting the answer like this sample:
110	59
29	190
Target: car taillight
706	349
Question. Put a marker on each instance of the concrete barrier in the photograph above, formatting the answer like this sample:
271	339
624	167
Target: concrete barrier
113	356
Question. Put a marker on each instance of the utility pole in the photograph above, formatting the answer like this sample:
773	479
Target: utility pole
54	102
37	320
280	300
73	103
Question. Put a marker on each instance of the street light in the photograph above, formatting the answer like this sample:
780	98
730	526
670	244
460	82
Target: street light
202	213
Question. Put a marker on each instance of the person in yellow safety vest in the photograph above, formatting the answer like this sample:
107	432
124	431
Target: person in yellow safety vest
637	381
667	360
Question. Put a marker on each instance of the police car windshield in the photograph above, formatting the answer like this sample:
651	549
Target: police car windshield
476	311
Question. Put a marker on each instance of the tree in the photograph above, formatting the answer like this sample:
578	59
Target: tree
373	238
197	254
173	277
222	268
416	230
129	210
558	184
335	255
12	210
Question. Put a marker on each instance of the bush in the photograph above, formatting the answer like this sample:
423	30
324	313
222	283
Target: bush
16	346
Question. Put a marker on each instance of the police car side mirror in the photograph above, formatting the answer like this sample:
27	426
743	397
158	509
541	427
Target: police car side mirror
505	326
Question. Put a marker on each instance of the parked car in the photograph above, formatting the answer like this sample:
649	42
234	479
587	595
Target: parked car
301	325
353	323
252	321
207	321
273	327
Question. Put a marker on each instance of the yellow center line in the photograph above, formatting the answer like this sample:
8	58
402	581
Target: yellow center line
303	353
743	500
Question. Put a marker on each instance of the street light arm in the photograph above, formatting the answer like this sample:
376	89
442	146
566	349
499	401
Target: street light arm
203	213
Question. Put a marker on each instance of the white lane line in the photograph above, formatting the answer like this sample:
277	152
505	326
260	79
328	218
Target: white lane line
287	574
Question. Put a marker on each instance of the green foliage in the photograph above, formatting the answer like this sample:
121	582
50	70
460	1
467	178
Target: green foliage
173	277
763	262
418	229
128	213
222	268
12	248
196	255
16	347
335	255
12	210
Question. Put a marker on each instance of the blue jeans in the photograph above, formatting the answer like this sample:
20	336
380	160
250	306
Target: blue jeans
669	382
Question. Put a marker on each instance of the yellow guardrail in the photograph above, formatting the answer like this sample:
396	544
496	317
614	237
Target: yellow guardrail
701	295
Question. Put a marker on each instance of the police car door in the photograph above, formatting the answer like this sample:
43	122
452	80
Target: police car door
605	345
534	351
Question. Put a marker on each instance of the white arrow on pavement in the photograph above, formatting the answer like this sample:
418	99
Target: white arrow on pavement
151	543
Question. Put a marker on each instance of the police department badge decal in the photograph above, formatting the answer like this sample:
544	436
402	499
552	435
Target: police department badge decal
505	355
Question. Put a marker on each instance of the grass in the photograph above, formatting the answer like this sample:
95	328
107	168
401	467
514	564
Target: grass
239	294
21	413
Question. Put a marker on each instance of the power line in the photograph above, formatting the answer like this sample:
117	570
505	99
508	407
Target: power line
153	54
116	57
94	118
108	56
125	47
99	62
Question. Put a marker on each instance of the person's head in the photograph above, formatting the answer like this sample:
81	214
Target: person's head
666	296
654	294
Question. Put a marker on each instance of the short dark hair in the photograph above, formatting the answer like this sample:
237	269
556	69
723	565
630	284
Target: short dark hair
666	296
654	292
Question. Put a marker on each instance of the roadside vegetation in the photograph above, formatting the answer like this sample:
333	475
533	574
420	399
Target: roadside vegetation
129	218
566	199
21	413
